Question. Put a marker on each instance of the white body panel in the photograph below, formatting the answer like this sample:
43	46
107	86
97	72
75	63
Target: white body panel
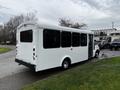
48	58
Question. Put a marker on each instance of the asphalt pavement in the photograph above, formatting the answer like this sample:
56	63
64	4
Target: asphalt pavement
14	77
106	53
8	65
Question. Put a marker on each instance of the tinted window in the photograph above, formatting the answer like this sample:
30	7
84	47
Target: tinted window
51	38
66	39
83	39
75	39
26	36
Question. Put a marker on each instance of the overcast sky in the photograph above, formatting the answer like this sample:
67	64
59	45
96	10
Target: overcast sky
95	13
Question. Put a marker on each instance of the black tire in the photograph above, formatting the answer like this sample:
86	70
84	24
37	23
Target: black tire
66	64
96	54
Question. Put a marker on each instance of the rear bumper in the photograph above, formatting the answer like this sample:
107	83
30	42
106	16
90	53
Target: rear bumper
31	66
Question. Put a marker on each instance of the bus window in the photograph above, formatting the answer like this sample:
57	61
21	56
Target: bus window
51	38
66	39
26	36
75	39
83	39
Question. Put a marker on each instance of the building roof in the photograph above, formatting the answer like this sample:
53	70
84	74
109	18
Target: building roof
114	29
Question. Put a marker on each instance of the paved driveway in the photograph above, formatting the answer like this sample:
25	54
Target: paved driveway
108	54
13	76
8	65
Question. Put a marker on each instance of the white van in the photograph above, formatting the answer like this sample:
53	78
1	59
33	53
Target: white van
42	47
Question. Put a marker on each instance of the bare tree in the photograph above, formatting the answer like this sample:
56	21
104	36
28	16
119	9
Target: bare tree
1	27
65	22
9	31
68	23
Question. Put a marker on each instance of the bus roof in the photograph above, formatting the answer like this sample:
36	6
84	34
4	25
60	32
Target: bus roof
48	26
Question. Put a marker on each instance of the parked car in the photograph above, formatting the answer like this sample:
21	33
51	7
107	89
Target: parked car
115	44
104	44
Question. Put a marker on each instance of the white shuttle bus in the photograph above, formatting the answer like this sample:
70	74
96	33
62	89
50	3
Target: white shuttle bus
42	47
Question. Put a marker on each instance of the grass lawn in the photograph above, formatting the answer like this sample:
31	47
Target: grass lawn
101	75
4	50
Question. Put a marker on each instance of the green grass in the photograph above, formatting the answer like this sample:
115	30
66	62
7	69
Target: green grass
101	75
4	50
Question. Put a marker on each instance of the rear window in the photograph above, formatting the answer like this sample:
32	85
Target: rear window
26	36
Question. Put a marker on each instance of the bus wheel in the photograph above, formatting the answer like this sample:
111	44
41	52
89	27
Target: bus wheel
66	64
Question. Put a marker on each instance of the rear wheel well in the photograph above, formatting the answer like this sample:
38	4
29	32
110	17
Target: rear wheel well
67	59
66	63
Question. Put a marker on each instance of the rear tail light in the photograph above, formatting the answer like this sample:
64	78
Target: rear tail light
33	49
34	55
